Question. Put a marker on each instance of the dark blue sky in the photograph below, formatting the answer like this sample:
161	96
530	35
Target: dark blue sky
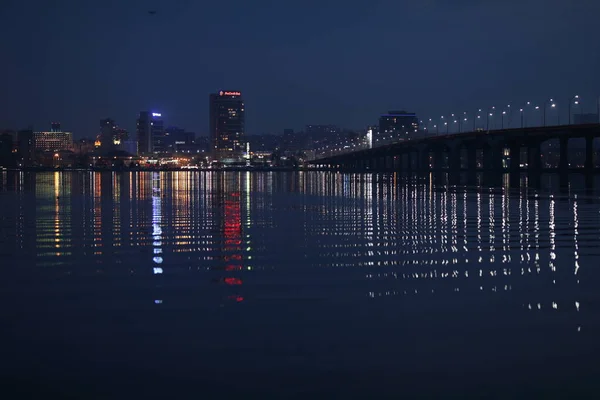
296	62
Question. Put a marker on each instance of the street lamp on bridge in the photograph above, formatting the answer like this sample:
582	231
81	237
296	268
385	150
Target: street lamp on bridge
490	114
546	106
572	100
521	111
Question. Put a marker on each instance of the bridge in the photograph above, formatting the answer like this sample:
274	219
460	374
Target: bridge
494	150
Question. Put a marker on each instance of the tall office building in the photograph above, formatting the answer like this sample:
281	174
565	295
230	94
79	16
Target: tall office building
107	129
398	124
150	133
226	126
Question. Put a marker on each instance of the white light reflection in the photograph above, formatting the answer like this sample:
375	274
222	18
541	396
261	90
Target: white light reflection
156	220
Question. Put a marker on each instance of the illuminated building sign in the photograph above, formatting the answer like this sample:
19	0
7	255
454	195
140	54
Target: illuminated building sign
222	93
156	114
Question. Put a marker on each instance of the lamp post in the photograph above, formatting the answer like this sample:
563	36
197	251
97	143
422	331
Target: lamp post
446	123
460	122
521	111
503	114
537	107
546	106
490	114
441	120
488	121
524	110
476	116
573	100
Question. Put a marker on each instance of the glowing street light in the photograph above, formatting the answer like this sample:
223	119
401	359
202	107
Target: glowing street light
490	114
546	106
521	111
573	100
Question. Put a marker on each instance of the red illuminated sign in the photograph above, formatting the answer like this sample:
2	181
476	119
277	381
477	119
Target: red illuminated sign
222	93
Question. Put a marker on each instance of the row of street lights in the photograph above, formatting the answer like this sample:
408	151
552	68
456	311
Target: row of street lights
462	120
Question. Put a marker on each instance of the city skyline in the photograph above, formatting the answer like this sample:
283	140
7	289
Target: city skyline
462	57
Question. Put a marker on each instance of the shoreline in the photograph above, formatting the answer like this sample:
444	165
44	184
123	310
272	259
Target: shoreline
200	169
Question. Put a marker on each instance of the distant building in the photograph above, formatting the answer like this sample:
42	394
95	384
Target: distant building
398	124
7	151
321	132
177	139
227	126
26	147
263	143
107	130
585	118
202	144
53	140
130	146
150	133
83	146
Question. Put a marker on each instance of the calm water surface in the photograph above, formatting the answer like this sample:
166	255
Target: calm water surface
317	285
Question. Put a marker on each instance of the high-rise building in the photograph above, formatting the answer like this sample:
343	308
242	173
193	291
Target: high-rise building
150	133
107	130
398	124
111	136
53	141
143	133
226	126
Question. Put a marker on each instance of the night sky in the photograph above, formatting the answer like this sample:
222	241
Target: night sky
296	62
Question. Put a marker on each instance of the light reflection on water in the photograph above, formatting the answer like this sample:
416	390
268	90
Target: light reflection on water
208	240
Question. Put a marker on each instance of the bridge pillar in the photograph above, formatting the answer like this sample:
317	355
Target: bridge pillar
472	158
410	160
397	163
404	161
515	157
438	159
563	164
534	161
454	158
424	160
589	154
493	158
